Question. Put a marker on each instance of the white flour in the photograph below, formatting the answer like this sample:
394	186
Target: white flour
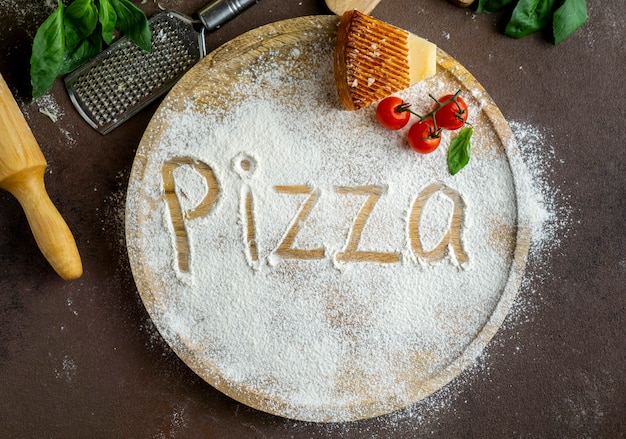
323	338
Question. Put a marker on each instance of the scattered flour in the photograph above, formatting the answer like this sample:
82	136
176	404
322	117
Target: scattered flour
37	12
67	371
550	211
48	106
312	335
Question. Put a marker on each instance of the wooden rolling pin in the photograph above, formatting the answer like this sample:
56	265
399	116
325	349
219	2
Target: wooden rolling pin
22	167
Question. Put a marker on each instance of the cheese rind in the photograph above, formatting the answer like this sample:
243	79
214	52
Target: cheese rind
374	59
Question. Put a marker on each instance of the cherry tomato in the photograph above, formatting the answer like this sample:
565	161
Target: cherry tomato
452	115
388	115
423	137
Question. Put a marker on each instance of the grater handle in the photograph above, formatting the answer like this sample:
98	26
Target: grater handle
218	12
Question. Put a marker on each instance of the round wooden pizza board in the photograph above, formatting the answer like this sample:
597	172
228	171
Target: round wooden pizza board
213	83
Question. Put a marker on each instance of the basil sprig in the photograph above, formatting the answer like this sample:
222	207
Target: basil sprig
530	16
48	49
568	18
132	23
72	35
459	150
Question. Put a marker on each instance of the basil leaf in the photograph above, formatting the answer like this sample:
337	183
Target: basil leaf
80	20
491	5
568	18
47	53
132	22
459	150
528	17
108	19
86	49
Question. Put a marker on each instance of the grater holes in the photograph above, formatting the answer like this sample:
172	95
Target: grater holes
127	77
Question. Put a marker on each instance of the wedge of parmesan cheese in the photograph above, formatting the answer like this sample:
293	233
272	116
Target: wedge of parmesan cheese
374	59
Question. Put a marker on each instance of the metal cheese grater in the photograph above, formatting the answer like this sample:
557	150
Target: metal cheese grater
123	79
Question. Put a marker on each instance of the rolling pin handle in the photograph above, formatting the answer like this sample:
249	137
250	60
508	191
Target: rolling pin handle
53	236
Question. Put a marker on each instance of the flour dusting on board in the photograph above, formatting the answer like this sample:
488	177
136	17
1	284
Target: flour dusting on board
303	260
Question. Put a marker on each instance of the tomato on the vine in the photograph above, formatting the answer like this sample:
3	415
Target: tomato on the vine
390	114
453	114
423	137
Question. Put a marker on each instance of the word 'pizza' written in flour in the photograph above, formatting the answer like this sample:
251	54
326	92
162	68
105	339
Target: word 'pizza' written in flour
286	249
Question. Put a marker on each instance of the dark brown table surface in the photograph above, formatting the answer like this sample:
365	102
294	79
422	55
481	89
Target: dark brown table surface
82	359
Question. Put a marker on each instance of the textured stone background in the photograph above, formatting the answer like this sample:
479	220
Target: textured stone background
82	359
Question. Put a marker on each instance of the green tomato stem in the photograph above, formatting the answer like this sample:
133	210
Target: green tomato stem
406	107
